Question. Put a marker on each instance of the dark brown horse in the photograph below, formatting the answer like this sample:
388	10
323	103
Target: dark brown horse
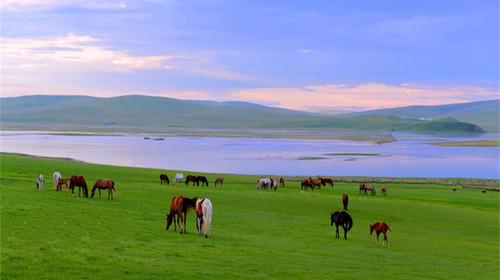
62	181
383	189
102	184
361	188
164	178
306	183
345	201
327	181
201	179
380	227
191	178
219	181
282	182
179	206
341	219
78	181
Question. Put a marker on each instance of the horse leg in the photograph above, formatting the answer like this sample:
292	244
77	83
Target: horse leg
198	225
345	231
337	235
385	239
378	241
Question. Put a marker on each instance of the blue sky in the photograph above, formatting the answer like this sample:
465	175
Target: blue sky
306	55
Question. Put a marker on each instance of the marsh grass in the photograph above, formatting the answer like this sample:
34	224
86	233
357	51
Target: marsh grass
286	234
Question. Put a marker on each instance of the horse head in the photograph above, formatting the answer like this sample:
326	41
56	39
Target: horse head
169	221
372	227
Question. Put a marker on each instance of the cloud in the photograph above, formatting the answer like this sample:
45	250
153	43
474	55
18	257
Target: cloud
72	52
368	96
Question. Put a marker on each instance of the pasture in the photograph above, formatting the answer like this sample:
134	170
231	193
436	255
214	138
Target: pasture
437	233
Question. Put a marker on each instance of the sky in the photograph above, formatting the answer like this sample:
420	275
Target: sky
304	55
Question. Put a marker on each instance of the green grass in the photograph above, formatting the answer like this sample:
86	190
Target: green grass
479	143
438	233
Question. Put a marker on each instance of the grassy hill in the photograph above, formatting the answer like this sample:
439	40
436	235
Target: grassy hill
146	111
485	114
256	234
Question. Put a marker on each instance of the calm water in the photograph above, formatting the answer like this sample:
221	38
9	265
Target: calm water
410	156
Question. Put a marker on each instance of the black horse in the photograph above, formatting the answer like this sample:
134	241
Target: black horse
201	179
341	219
164	178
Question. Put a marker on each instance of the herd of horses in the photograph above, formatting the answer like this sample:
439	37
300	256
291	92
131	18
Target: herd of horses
81	183
180	205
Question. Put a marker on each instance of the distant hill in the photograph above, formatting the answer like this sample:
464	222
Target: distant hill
157	112
485	114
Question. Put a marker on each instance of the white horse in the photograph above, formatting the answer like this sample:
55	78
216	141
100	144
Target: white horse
39	182
264	183
56	177
204	216
178	177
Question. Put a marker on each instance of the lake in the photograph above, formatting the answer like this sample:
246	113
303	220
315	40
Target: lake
410	156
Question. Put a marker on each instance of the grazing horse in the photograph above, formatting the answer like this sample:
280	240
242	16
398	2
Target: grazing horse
380	227
219	181
164	177
203	181
282	182
341	219
61	182
316	182
370	188
326	181
56	178
361	188
264	183
345	201
78	181
179	177
203	211
39	182
102	184
306	183
384	190
179	206
191	178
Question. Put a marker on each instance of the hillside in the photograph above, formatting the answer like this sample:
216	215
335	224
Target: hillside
157	112
482	113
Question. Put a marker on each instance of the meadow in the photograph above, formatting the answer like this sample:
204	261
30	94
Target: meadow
437	233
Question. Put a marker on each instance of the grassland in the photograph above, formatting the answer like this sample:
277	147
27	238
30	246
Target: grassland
438	233
480	143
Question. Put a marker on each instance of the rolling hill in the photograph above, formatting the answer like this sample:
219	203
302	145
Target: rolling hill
158	112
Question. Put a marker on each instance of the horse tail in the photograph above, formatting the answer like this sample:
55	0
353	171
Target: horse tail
389	228
113	186
349	222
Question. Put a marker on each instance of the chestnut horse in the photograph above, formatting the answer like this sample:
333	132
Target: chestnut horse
78	181
326	181
345	201
179	206
191	178
384	190
341	219
203	211
219	181
164	177
380	227
282	182
102	184
60	182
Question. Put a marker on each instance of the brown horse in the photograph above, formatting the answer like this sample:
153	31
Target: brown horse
380	227
78	181
102	184
345	201
179	206
62	181
219	181
316	182
282	182
191	178
361	188
384	190
164	177
326	181
306	183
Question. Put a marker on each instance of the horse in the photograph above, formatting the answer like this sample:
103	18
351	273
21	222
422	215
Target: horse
282	182
203	211
384	190
380	227
56	176
164	177
264	183
78	181
39	182
191	178
361	188
370	188
326	181
219	181
61	182
345	201
316	182
102	184
341	219
179	206
306	183
201	179
179	177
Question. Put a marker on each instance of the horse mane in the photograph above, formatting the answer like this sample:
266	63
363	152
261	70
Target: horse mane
189	203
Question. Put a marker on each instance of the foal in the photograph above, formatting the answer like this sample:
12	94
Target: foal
380	227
